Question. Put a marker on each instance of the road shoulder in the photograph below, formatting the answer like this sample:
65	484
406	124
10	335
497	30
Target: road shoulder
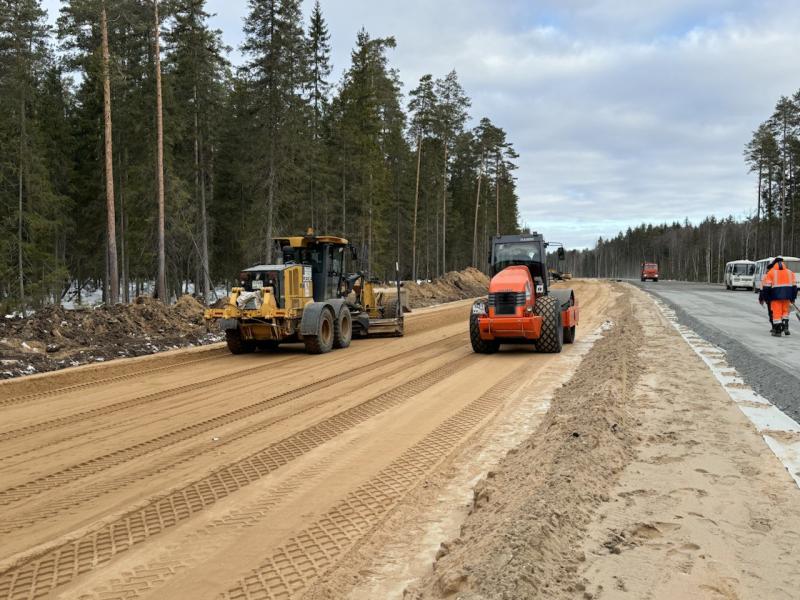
661	489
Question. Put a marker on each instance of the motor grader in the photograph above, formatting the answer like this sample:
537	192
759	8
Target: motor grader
521	307
307	298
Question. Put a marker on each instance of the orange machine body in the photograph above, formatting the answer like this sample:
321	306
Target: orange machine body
510	311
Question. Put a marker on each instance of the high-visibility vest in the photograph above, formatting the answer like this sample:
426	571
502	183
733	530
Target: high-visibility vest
781	282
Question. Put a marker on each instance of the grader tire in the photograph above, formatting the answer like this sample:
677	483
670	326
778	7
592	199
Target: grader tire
343	329
322	341
551	339
236	344
390	309
480	345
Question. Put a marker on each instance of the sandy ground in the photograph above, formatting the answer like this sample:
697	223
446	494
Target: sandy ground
204	475
643	480
618	468
734	321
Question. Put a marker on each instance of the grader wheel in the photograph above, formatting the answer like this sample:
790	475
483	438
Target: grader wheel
236	344
322	341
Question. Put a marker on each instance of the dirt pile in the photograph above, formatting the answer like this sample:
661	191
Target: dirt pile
54	337
521	539
452	286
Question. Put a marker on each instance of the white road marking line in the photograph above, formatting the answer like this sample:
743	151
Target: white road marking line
780	432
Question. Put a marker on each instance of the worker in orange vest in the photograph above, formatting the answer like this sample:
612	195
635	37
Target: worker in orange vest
779	289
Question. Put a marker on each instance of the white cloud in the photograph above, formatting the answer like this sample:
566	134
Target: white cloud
622	112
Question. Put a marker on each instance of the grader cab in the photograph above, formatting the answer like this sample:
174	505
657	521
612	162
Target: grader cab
307	298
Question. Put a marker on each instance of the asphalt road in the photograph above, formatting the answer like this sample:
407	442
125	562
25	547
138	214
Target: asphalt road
734	321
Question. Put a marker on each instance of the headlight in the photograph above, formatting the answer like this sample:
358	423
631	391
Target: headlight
479	308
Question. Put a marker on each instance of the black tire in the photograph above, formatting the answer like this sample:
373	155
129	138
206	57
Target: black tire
551	339
643	279
390	309
479	345
322	341
236	344
569	332
343	329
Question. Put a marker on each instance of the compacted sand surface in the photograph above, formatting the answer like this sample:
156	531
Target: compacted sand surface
398	467
644	480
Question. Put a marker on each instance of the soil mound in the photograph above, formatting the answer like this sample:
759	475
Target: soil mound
452	286
54	337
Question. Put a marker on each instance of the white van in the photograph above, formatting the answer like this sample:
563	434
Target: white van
739	273
763	264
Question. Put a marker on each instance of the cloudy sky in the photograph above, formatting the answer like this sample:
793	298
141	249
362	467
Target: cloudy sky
621	111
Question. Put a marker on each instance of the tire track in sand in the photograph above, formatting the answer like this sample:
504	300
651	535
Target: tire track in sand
312	552
166	463
110	409
216	355
95	465
40	573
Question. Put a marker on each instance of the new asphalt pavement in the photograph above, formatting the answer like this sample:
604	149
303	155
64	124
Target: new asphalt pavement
734	321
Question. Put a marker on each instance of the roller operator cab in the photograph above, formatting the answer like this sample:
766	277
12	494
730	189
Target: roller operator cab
307	298
521	308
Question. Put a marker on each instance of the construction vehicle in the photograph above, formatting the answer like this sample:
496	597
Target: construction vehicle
649	271
521	306
557	275
308	298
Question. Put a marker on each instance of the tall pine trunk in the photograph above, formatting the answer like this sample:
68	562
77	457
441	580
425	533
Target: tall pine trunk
477	206
111	221
21	207
444	211
758	210
416	209
163	293
497	194
123	226
200	185
270	204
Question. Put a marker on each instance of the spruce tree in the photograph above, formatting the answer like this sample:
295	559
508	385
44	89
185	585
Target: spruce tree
423	105
23	60
451	115
196	70
319	53
277	74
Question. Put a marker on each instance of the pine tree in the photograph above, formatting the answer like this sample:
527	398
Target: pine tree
319	53
196	70
277	75
23	60
161	282
449	123
423	105
367	127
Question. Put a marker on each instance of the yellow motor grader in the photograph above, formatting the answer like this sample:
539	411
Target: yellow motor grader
308	298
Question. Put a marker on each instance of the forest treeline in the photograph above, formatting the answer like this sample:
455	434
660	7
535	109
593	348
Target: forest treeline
133	151
698	252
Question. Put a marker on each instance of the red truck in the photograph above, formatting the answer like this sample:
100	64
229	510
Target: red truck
649	271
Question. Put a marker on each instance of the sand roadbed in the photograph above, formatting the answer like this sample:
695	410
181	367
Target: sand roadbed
643	480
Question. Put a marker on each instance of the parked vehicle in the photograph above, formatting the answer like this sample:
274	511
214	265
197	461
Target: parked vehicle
762	266
739	274
649	271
